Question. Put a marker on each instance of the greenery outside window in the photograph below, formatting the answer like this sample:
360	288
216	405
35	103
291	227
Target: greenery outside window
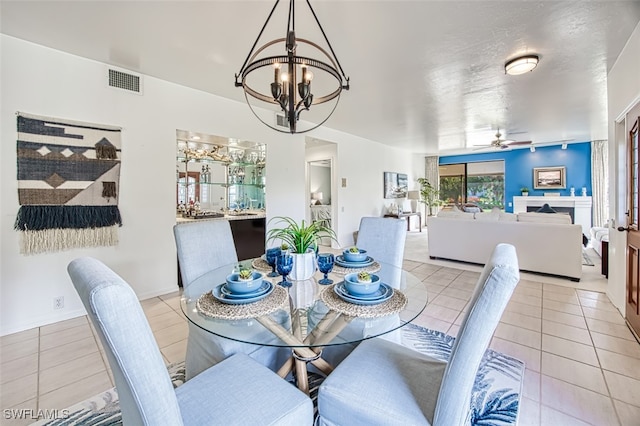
480	183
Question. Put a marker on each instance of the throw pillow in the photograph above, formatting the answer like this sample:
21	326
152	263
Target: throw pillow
546	209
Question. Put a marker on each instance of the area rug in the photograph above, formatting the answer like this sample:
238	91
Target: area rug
495	400
586	260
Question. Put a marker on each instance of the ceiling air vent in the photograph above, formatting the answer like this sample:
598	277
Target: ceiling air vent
281	121
125	81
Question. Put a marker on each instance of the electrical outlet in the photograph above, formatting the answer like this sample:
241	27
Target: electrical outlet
58	302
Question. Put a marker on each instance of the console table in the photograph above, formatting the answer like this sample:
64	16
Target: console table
408	216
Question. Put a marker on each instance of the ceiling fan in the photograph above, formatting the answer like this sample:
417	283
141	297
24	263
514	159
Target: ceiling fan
499	143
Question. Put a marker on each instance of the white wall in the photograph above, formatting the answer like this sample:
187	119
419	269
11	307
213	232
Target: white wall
623	88
38	80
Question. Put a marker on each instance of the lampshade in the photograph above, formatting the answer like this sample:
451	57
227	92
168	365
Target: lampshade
413	195
316	196
521	65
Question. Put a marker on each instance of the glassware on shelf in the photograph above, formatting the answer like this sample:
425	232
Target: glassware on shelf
284	264
271	256
325	265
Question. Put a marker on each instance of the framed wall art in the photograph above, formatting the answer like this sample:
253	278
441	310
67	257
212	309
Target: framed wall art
395	185
549	178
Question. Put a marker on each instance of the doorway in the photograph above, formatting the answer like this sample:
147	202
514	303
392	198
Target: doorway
321	184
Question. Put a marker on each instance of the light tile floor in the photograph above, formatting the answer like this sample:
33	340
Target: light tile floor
582	362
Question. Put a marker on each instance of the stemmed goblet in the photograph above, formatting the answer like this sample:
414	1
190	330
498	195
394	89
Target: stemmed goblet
271	256
325	265
284	263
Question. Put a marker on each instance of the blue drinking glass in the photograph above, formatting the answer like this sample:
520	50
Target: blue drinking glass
325	265
271	256
284	263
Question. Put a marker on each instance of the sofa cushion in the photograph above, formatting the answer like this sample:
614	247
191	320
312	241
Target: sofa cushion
455	214
491	216
544	218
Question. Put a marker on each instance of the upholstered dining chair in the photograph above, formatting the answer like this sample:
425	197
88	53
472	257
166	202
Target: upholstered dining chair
237	391
382	382
383	238
203	247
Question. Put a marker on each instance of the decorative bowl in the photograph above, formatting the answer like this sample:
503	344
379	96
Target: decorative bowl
349	256
361	289
236	285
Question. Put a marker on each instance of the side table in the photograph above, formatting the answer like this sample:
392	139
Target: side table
408	216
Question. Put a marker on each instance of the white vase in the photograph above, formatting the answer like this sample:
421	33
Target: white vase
304	266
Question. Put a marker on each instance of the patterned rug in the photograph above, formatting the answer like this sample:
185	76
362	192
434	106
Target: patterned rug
495	400
586	260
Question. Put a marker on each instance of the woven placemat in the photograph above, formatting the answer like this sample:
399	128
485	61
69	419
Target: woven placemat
211	307
395	304
261	265
342	270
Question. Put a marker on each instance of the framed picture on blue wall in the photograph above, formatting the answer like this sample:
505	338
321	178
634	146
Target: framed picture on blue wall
549	178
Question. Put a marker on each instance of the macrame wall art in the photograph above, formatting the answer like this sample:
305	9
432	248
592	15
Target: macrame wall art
68	184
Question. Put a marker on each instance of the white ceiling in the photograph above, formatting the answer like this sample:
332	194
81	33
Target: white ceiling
427	76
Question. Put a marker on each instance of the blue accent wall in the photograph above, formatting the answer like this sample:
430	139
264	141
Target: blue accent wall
519	165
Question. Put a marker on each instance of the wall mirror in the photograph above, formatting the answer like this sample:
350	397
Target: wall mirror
219	174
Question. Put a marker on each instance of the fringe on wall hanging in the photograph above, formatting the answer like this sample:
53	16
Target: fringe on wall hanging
68	184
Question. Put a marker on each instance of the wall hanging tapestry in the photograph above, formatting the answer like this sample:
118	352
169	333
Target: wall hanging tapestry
68	184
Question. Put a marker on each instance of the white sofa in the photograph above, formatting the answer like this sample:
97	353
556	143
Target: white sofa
545	243
598	235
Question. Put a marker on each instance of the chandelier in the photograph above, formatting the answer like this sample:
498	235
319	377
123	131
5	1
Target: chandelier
284	81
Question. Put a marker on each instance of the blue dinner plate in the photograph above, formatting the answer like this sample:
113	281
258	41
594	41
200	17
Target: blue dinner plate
234	301
383	294
340	261
265	287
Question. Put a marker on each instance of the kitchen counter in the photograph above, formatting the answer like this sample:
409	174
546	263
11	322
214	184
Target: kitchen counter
250	214
248	229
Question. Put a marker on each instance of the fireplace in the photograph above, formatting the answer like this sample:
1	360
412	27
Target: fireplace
578	207
568	210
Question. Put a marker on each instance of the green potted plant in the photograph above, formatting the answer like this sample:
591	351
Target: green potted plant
303	239
429	195
524	191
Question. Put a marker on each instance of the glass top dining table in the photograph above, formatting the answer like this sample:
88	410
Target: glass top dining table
307	318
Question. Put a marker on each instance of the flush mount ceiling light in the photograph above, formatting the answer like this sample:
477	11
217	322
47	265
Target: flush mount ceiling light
270	78
521	65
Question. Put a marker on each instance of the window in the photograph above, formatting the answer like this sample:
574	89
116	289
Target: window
481	183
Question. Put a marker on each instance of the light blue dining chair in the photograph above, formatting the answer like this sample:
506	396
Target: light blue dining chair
237	391
203	247
382	382
383	238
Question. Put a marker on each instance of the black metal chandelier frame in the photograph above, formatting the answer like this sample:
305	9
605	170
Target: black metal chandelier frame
291	101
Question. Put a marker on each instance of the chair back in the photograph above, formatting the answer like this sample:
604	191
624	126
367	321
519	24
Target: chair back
490	297
202	247
383	239
144	387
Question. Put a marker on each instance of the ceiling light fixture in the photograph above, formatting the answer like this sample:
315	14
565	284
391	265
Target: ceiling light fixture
287	86
521	65
532	148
